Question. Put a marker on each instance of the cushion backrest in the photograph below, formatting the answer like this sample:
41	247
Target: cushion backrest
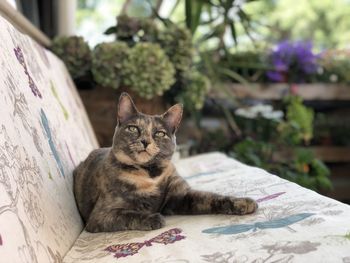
44	134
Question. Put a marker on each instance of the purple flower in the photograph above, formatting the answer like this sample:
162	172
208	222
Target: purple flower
292	62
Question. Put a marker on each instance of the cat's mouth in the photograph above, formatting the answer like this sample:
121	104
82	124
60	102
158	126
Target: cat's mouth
144	151
143	156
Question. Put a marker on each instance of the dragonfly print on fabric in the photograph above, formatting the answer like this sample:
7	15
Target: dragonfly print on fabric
241	228
32	85
55	94
269	197
54	151
129	249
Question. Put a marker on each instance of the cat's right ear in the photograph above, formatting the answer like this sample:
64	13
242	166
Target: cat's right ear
126	108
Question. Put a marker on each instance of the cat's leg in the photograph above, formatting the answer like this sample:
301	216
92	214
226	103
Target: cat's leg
106	219
184	200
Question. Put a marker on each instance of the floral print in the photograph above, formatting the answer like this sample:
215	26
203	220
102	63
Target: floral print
20	58
41	142
38	217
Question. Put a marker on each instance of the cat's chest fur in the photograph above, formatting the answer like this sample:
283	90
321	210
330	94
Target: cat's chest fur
150	180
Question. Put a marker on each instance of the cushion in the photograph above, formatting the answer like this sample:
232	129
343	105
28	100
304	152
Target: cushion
44	134
292	224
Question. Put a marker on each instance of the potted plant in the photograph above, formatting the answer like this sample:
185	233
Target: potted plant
76	54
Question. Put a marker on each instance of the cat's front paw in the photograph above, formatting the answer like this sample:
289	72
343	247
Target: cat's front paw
243	206
154	221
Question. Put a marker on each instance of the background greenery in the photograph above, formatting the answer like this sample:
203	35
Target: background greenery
236	41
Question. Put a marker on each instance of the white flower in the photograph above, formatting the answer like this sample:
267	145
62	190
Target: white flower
264	110
320	70
333	78
273	115
261	108
246	113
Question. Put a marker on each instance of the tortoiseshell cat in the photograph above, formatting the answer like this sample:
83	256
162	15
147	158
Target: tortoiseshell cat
132	184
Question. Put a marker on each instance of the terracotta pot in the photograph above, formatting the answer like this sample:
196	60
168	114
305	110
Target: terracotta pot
101	106
153	106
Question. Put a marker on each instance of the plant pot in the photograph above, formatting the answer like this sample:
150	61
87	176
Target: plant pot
154	106
101	106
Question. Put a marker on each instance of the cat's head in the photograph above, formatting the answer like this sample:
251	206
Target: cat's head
143	139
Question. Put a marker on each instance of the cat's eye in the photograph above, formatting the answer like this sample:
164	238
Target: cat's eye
160	134
132	129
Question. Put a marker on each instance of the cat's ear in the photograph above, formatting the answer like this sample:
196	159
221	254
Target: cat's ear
172	117
126	108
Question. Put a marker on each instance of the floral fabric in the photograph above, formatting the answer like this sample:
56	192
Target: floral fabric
44	134
292	224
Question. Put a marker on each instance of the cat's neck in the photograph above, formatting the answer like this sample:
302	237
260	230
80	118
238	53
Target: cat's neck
154	168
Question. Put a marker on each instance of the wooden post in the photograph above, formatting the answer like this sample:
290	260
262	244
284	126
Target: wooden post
66	17
22	23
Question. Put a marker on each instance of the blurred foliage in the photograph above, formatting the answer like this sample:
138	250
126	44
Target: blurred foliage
322	21
175	52
334	66
133	30
299	126
214	140
75	53
196	86
332	129
331	66
107	63
276	145
177	43
186	85
149	57
218	21
148	71
251	65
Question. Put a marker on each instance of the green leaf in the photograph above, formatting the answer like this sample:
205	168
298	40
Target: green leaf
235	76
324	183
188	13
110	30
193	10
196	16
216	32
233	32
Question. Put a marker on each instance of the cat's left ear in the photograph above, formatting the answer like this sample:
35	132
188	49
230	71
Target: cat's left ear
126	108
172	117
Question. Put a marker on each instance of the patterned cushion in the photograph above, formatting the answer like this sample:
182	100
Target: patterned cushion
44	133
292	224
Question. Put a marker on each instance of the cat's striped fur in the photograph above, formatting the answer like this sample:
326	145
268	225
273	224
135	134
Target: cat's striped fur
132	184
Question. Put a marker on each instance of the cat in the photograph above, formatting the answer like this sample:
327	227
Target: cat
133	184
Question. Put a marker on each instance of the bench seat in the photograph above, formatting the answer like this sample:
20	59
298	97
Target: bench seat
45	133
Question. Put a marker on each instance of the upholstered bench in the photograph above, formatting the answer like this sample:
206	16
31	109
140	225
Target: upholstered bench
45	133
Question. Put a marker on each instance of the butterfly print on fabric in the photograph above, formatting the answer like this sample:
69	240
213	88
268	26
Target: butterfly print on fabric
129	249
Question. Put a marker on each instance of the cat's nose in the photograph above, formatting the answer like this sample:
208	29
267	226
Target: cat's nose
145	143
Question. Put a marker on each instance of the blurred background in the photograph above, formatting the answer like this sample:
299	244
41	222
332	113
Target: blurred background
265	81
